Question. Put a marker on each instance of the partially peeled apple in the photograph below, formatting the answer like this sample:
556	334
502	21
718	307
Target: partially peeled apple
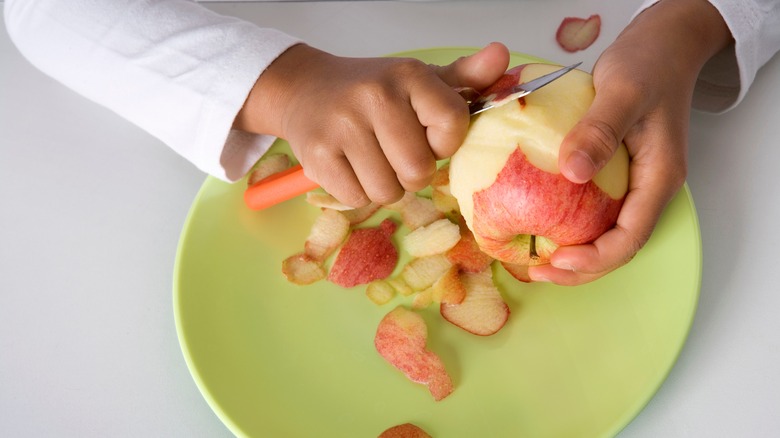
506	179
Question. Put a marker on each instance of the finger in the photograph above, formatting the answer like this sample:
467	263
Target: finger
443	114
590	144
373	171
441	110
405	145
478	70
337	177
563	277
641	211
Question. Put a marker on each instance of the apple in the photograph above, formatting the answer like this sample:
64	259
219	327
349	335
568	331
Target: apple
519	272
505	175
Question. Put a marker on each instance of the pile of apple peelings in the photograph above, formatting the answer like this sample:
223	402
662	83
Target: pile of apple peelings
446	268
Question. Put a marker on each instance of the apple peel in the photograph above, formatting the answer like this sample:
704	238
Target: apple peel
575	34
415	210
483	311
420	273
423	299
327	233
368	254
466	254
400	286
401	339
359	215
380	292
441	195
325	200
435	238
268	165
449	288
302	269
406	430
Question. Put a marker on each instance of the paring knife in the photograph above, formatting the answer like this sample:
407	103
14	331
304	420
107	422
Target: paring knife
484	103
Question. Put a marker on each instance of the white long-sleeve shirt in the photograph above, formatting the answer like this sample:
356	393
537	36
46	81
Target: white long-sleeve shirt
726	78
174	68
182	72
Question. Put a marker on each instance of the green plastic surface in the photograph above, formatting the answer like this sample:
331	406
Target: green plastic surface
278	360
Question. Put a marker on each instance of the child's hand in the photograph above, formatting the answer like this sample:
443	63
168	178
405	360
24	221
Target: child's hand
368	129
644	85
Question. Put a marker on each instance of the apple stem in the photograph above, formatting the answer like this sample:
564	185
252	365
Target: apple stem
532	248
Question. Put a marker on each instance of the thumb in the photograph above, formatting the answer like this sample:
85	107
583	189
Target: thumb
478	70
590	144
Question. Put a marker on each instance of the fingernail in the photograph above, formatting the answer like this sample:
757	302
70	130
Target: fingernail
539	278
562	264
580	166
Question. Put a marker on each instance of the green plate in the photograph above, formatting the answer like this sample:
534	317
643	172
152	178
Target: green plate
278	360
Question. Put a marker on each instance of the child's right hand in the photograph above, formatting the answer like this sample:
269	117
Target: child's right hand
368	129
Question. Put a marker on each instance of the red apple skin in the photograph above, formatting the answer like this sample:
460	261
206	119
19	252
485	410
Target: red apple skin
368	254
519	272
501	89
575	34
406	430
401	340
520	188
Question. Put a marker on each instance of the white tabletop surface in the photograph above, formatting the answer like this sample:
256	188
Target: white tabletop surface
91	208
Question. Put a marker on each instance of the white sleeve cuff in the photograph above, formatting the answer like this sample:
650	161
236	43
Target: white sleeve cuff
727	76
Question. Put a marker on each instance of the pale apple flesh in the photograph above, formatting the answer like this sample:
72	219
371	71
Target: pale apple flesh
505	176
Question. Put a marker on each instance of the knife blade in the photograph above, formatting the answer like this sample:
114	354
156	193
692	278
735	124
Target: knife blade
484	103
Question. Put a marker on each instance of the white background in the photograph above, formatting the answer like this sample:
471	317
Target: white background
91	208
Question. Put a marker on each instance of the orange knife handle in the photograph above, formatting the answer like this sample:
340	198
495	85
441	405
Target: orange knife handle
278	188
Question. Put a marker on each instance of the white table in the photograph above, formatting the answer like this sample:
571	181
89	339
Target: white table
91	208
